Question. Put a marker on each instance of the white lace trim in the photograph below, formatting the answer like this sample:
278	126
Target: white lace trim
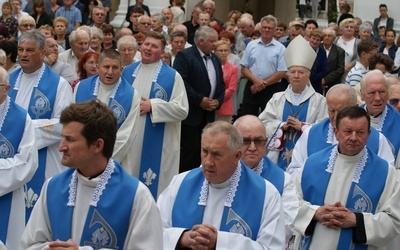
231	191
37	80
258	169
360	165
4	111
331	134
382	120
113	92
101	185
156	73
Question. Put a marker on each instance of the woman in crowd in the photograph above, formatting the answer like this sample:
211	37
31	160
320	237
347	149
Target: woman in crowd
391	49
320	66
349	43
365	31
97	39
60	25
87	14
40	15
9	21
108	37
127	47
234	16
87	67
230	72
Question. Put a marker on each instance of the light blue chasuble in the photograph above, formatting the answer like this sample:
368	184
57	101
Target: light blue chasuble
153	139
321	135
389	126
292	135
362	197
120	99
12	126
271	172
40	107
107	221
188	209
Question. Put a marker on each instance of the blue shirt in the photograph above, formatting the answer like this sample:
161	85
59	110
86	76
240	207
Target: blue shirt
264	60
72	14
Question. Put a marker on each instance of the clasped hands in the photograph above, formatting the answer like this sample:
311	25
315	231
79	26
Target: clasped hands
335	216
200	237
292	122
258	85
209	104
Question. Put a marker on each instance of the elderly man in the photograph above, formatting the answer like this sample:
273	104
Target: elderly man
335	56
62	68
144	24
127	47
18	163
340	209
296	28
178	41
209	7
79	41
44	94
94	204
288	113
25	23
193	24
384	118
99	16
154	154
246	27
394	96
321	135
263	65
157	22
208	207
201	71
253	156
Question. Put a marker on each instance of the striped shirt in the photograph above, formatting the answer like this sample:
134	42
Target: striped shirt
73	15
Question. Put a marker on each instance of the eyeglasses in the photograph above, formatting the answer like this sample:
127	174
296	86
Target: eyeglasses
222	50
28	25
257	142
146	24
394	101
179	42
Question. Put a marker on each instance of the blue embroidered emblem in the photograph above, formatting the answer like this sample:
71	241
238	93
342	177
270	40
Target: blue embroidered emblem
6	148
160	92
118	111
104	236
362	202
42	104
240	227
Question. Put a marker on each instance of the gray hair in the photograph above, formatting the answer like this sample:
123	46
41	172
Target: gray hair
247	20
86	28
329	30
204	32
33	36
209	1
343	89
178	33
363	83
365	26
26	18
125	40
5	79
270	18
235	139
72	35
97	32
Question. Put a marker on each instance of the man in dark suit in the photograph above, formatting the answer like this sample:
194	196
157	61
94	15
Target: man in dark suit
201	71
335	56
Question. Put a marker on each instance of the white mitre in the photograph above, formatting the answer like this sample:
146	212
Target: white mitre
299	53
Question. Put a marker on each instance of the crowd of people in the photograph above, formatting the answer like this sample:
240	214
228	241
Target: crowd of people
197	134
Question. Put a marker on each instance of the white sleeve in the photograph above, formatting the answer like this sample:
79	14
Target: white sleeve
145	230
18	170
290	205
385	150
272	229
48	131
300	153
176	109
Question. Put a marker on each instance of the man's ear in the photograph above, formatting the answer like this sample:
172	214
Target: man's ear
98	145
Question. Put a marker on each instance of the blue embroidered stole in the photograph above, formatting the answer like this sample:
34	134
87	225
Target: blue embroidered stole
11	134
274	174
40	106
292	135
106	224
318	136
362	197
120	104
153	138
237	218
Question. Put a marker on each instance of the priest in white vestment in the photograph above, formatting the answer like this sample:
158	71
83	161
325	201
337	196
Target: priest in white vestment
44	94
154	155
321	135
349	196
110	88
18	163
288	113
253	156
95	204
222	204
